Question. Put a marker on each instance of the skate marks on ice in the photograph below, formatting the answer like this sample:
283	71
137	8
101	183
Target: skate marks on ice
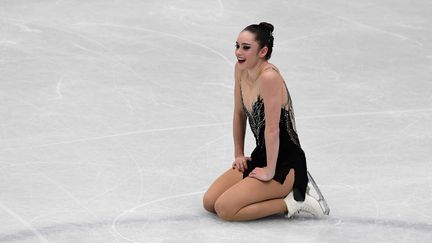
336	222
42	232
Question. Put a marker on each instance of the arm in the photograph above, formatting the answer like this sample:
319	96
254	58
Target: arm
239	127
271	94
270	90
239	118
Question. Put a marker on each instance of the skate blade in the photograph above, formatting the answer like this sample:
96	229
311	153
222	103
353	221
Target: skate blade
323	203
324	206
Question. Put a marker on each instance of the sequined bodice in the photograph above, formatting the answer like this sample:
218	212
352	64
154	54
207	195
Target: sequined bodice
290	154
256	117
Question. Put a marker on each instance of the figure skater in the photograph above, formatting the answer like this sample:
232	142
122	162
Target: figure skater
274	178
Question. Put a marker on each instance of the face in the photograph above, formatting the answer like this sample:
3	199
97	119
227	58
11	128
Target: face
247	51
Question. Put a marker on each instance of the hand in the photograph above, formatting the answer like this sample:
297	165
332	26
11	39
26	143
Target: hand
240	163
262	174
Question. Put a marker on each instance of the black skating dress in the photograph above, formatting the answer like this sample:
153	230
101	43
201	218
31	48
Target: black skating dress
291	155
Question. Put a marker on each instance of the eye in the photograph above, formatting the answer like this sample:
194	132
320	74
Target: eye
237	46
246	48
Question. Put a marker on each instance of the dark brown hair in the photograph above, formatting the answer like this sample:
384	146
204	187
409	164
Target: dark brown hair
263	35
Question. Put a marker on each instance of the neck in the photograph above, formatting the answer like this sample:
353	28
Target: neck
255	71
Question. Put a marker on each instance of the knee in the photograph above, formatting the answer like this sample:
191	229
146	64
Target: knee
209	202
224	210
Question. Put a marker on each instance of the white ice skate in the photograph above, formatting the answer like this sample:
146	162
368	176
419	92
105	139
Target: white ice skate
310	205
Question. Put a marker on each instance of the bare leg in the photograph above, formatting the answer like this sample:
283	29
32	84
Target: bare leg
261	209
252	199
225	181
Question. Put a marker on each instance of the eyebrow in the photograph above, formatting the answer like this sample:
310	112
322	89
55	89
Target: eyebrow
248	44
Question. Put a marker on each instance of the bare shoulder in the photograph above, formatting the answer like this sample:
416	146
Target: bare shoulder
270	77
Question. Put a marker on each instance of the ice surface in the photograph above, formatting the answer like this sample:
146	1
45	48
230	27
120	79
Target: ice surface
115	116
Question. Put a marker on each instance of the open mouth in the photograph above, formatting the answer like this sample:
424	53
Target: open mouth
241	60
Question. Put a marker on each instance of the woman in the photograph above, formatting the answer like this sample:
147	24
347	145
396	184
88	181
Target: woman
256	186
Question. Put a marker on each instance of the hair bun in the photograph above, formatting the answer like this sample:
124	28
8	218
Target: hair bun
267	26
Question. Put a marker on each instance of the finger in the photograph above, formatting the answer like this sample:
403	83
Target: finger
238	166
245	165
256	174
241	167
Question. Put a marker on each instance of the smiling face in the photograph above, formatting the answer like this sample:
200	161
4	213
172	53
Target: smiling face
248	51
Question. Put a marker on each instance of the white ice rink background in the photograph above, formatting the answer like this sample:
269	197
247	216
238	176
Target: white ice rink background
115	117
